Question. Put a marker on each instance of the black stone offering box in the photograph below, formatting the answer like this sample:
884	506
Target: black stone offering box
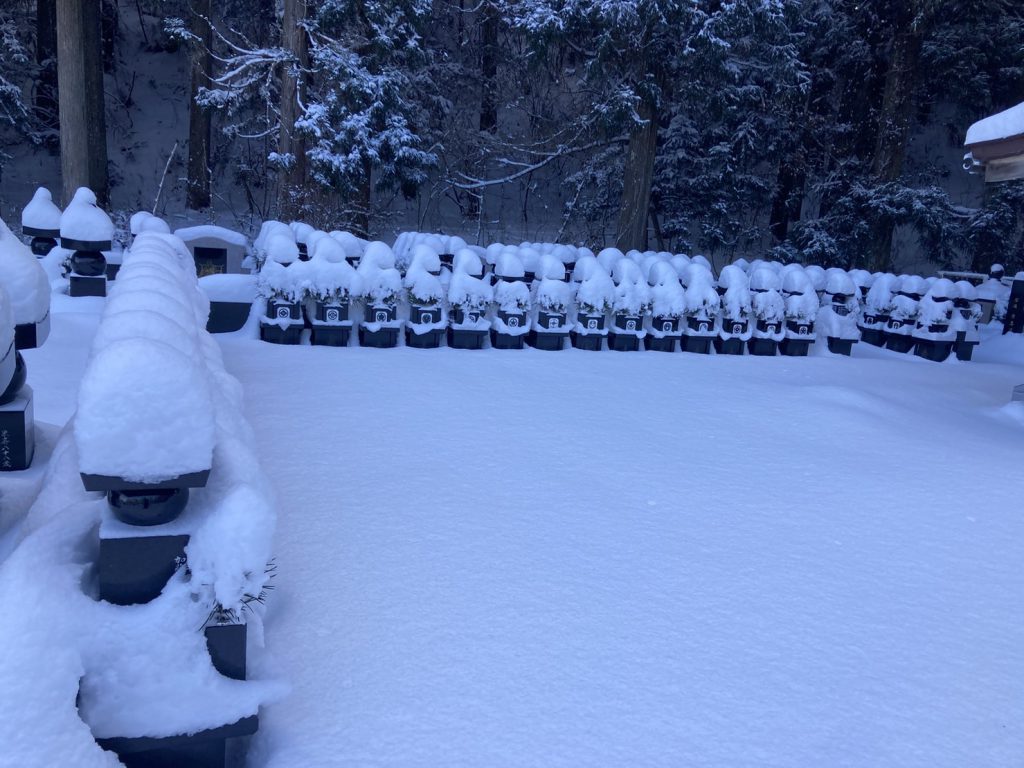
383	338
380	313
330	335
663	344
429	340
331	312
32	335
135	569
592	342
87	286
840	346
728	346
549	342
206	749
463	339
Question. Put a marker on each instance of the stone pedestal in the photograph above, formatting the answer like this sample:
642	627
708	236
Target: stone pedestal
88	286
32	335
17	432
135	569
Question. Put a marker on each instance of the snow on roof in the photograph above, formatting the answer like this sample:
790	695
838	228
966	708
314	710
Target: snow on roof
211	230
1003	125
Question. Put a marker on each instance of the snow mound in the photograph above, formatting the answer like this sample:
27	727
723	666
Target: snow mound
24	278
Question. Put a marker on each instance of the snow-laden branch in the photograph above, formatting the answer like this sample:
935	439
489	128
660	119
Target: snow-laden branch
471	183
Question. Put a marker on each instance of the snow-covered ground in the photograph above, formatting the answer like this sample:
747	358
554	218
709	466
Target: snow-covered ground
506	558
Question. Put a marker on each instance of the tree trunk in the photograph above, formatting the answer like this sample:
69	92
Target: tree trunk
638	176
361	219
785	207
46	108
488	91
197	195
74	138
290	144
894	122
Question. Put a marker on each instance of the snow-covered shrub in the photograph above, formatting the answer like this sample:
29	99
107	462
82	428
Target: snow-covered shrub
423	288
553	301
512	307
469	298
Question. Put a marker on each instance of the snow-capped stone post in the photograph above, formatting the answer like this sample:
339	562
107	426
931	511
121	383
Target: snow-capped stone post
594	298
382	291
27	292
331	285
428	316
801	310
934	334
768	310
511	320
964	321
280	284
734	320
878	305
837	319
631	304
702	305
903	316
88	231
551	312
41	220
993	295
469	297
668	303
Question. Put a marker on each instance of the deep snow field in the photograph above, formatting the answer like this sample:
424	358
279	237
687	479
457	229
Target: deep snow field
519	558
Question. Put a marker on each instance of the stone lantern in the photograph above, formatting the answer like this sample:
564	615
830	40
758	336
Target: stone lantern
41	220
88	231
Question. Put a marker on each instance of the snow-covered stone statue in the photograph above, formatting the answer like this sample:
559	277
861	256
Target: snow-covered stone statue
41	220
88	231
933	333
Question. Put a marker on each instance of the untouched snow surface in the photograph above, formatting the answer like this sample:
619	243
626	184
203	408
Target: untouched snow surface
508	558
600	559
